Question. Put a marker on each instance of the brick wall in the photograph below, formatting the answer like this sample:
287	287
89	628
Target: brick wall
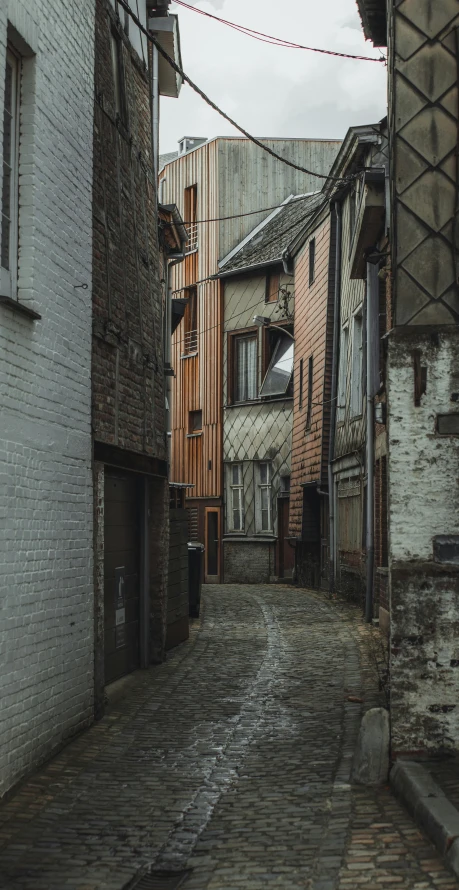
127	368
46	572
248	562
311	314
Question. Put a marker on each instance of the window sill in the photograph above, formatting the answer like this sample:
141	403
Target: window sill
19	307
265	538
260	401
194	435
190	355
355	417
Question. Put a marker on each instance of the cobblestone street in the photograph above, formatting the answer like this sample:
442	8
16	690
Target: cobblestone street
233	760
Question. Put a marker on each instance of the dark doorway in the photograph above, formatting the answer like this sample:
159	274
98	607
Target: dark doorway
121	573
212	554
286	553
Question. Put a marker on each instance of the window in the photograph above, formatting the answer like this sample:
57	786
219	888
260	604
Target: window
272	288
235	498
357	365
195	422
117	69
342	378
285	484
300	388
310	384
190	211
264	513
244	367
312	260
280	368
190	318
10	176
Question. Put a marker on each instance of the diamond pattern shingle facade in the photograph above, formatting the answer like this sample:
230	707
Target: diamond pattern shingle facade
424	115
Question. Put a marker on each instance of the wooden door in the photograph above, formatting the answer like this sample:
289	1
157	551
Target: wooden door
286	553
121	573
212	544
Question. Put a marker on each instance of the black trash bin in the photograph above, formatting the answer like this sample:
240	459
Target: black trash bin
195	572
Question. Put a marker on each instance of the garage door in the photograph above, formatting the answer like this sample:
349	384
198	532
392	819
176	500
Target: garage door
121	573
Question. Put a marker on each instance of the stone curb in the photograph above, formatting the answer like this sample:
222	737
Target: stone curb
430	808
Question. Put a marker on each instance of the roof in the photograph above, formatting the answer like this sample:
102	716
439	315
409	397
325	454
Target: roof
167	33
265	245
373	15
166	159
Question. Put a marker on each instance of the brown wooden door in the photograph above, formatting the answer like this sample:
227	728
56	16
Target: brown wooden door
212	544
121	573
286	553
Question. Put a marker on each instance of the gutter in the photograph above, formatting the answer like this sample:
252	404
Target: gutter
372	308
244	269
336	329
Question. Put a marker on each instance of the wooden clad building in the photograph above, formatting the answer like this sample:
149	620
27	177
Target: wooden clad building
208	180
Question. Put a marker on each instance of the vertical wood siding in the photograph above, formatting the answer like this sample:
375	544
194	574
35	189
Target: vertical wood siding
198	381
311	316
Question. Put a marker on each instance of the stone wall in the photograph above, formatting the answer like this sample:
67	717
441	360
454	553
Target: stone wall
248	562
46	570
423	498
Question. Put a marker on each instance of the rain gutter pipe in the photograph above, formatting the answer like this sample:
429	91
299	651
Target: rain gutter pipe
371	326
336	326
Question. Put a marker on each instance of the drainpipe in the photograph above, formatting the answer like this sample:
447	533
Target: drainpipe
334	387
372	293
155	112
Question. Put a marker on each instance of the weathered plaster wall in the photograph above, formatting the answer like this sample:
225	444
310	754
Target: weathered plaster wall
423	503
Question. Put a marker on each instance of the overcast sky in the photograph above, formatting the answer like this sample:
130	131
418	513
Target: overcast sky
270	90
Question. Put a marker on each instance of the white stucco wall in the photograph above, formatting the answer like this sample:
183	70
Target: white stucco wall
421	509
46	586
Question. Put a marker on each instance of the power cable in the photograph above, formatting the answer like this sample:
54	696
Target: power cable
224	320
276	237
277	41
197	222
186	79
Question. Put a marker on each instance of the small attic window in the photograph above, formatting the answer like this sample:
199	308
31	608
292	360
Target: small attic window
280	369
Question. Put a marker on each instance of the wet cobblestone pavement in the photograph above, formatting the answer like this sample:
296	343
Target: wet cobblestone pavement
232	759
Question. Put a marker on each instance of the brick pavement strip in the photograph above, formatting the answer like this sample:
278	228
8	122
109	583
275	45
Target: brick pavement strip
233	759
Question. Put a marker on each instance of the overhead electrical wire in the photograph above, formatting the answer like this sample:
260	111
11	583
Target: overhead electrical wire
277	41
292	227
197	222
186	79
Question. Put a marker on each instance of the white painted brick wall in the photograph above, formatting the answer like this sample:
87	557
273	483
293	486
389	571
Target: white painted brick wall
423	467
46	571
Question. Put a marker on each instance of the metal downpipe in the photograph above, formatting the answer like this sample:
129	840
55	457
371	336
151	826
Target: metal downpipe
336	327
372	283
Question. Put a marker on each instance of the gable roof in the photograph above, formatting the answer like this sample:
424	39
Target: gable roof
267	242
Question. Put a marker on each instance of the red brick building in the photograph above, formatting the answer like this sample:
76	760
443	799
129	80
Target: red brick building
314	280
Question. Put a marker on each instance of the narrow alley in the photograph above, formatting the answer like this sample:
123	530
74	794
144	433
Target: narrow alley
231	760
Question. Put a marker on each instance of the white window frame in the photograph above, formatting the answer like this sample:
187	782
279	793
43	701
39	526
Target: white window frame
9	277
357	363
342	373
263	485
235	490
